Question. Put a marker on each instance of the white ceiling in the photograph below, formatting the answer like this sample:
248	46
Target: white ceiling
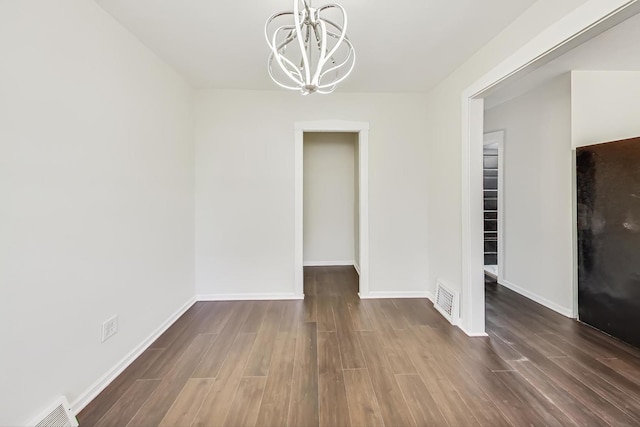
401	45
617	49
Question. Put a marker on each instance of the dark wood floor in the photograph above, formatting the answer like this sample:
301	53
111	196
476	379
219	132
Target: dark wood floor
335	360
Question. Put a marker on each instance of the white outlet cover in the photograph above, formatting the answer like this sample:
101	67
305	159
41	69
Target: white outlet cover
109	328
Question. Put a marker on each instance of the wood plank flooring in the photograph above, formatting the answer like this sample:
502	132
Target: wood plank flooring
336	360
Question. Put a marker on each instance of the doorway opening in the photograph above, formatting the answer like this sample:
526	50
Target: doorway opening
493	204
316	248
330	213
586	22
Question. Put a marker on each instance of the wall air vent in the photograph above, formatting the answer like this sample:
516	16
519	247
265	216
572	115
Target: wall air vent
446	302
58	415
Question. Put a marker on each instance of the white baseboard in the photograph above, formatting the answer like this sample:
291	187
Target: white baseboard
93	391
469	334
327	263
357	267
380	295
431	296
248	297
567	312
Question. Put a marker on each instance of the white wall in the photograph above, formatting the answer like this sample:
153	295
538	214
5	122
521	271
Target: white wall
96	198
356	205
245	188
443	133
329	198
537	218
605	106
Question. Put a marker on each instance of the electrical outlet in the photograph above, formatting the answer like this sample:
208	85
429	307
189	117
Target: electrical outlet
109	328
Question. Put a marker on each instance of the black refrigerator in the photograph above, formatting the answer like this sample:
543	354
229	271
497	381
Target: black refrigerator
608	214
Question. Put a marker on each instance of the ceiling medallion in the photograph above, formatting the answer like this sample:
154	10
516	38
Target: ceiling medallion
310	47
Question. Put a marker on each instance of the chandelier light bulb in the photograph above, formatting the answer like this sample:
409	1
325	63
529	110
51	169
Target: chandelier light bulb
310	50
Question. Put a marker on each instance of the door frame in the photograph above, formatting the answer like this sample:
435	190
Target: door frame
362	129
584	23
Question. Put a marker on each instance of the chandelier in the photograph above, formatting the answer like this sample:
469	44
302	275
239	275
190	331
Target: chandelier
310	50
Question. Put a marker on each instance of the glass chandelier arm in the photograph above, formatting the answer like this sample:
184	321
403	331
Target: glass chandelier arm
343	30
350	53
305	59
353	63
271	19
336	26
281	60
288	40
326	91
307	45
275	80
291	70
323	50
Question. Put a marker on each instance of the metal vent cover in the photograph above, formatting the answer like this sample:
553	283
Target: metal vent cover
446	302
58	415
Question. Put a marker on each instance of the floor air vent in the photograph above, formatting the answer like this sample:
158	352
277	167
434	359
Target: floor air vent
59	415
447	303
